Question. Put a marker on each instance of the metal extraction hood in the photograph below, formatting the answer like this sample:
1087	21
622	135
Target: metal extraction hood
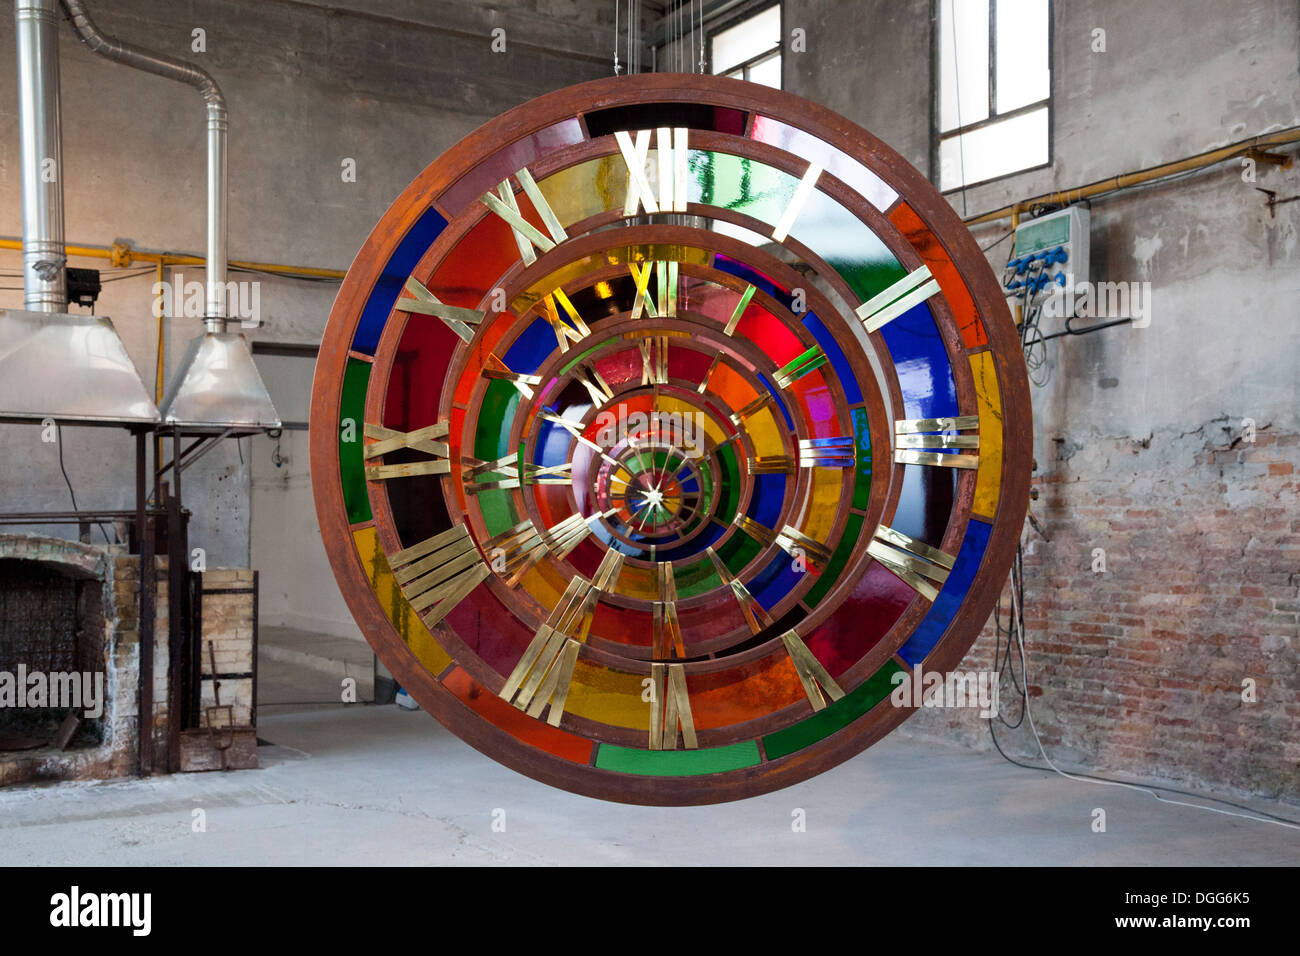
52	364
219	388
69	368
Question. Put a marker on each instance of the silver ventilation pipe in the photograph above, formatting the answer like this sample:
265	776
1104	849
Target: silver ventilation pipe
41	150
172	68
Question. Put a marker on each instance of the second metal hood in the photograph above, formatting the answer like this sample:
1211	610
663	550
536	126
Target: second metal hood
218	388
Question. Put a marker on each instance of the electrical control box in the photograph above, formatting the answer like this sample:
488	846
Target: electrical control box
1049	259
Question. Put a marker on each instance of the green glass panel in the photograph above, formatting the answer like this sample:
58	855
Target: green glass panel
696	579
835	717
490	439
847	245
677	763
352	466
742	184
835	567
862	480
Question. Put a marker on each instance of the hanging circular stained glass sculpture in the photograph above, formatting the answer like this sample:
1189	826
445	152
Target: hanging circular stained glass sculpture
659	427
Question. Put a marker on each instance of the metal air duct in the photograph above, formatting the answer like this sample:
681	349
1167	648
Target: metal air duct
218	385
55	365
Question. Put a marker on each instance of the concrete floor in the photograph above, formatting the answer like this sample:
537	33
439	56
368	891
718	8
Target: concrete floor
376	785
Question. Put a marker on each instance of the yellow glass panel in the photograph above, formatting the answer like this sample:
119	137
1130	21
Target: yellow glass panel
637	582
676	406
417	637
988	477
828	489
582	191
611	697
544	583
765	434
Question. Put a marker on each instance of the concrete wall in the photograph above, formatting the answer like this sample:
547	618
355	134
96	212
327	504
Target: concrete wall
1139	432
388	83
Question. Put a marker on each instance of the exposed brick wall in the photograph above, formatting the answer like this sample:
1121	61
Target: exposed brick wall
228	625
118	576
1138	671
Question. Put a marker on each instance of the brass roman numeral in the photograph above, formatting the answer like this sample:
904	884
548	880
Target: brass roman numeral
508	468
910	436
800	199
739	311
574	329
527	236
673	184
667	631
755	616
817	683
460	320
826	453
421	440
913	561
542	676
439	572
800	366
494	368
882	309
670	708
654	360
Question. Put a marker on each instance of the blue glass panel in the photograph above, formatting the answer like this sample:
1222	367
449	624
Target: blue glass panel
921	361
951	595
389	285
695	547
776	581
533	347
778	400
765	504
833	351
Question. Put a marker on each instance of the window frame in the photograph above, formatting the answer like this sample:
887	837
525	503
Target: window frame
758	58
937	137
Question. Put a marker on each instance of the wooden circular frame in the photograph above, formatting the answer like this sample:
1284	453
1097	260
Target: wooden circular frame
896	173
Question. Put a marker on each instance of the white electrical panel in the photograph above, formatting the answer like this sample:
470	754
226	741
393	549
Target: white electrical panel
1049	260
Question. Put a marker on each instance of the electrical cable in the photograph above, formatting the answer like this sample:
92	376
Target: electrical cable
1016	633
58	434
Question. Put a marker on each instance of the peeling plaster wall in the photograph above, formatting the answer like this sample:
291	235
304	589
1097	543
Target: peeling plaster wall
1139	431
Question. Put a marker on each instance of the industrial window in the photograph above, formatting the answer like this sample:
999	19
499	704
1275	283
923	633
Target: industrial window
751	49
994	88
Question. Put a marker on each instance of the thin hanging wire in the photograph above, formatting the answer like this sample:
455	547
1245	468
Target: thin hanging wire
616	67
702	64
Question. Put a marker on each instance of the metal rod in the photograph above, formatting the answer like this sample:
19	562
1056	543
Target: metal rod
172	68
41	156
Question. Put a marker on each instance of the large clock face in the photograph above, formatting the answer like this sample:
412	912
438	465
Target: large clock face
658	427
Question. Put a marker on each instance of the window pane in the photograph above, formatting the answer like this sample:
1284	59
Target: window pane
747	40
767	73
995	150
963	63
1023	76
